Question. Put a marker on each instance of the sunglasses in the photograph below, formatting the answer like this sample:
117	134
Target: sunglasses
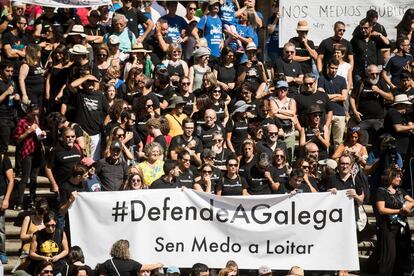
46	271
207	172
185	83
70	136
305	167
341	30
273	133
120	135
279	156
149	105
232	165
192	8
289	52
218	140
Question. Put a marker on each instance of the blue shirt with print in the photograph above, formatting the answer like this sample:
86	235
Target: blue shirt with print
175	26
227	10
272	42
212	28
141	29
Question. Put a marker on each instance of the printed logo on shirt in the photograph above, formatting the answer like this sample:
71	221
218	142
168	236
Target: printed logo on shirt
91	105
49	248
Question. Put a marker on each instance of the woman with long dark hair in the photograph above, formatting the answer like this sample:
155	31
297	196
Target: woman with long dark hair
394	237
28	136
225	70
406	27
232	183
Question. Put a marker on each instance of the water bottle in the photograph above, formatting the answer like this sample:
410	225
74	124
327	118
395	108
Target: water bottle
148	66
11	101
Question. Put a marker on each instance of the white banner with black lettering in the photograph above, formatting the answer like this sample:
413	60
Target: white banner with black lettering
316	231
68	3
322	15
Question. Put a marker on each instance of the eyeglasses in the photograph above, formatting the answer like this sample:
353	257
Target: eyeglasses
138	180
207	171
218	140
305	167
120	135
192	8
280	156
102	55
289	52
176	52
70	136
50	225
186	160
273	133
149	105
46	271
341	30
232	165
216	91
308	83
185	83
373	74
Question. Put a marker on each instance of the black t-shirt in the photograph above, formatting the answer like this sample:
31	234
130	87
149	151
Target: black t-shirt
366	52
326	48
392	201
91	111
244	167
5	165
186	178
225	74
291	69
123	267
49	244
157	53
238	128
134	17
395	65
258	183
66	189
161	183
230	187
16	43
164	94
402	139
6	112
221	158
47	22
302	52
62	160
206	134
139	101
305	100
303	187
370	104
282	175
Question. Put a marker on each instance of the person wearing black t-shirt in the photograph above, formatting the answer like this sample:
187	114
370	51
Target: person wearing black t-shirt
121	264
15	43
47	19
205	131
207	157
6	188
188	174
290	68
236	127
305	48
399	124
367	102
326	47
262	178
135	17
169	179
249	157
232	183
206	183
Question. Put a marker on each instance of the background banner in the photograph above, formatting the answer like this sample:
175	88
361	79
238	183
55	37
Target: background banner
68	3
322	15
316	231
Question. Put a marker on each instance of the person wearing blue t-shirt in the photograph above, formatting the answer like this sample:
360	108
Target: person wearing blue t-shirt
176	24
249	5
211	26
227	11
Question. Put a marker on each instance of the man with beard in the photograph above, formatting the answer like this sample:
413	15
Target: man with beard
188	174
405	86
14	43
367	46
367	101
61	159
187	141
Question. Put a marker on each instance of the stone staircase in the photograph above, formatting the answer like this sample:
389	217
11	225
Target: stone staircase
15	218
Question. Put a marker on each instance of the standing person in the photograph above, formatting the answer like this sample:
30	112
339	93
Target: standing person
169	179
396	64
92	108
394	238
225	70
205	131
176	116
367	46
188	174
28	136
272	43
232	183
336	88
236	127
31	77
211	27
262	177
306	54
176	24
405	27
61	159
121	262
112	171
8	94
134	18
121	34
290	68
326	47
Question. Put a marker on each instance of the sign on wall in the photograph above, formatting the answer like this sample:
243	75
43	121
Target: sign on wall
322	15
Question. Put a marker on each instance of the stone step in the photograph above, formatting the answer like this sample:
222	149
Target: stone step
13	260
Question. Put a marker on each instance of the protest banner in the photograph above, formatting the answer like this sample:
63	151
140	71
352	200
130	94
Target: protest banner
322	15
316	231
68	3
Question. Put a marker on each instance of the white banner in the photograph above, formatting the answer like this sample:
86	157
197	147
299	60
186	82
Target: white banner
68	3
322	15
316	231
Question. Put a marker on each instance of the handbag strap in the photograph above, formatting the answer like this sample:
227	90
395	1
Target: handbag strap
116	269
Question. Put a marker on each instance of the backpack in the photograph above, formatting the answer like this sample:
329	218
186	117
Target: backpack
87	140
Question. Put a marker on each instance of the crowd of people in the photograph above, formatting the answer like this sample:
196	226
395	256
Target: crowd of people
162	94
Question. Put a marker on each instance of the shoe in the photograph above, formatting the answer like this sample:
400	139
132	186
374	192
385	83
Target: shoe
3	258
18	207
